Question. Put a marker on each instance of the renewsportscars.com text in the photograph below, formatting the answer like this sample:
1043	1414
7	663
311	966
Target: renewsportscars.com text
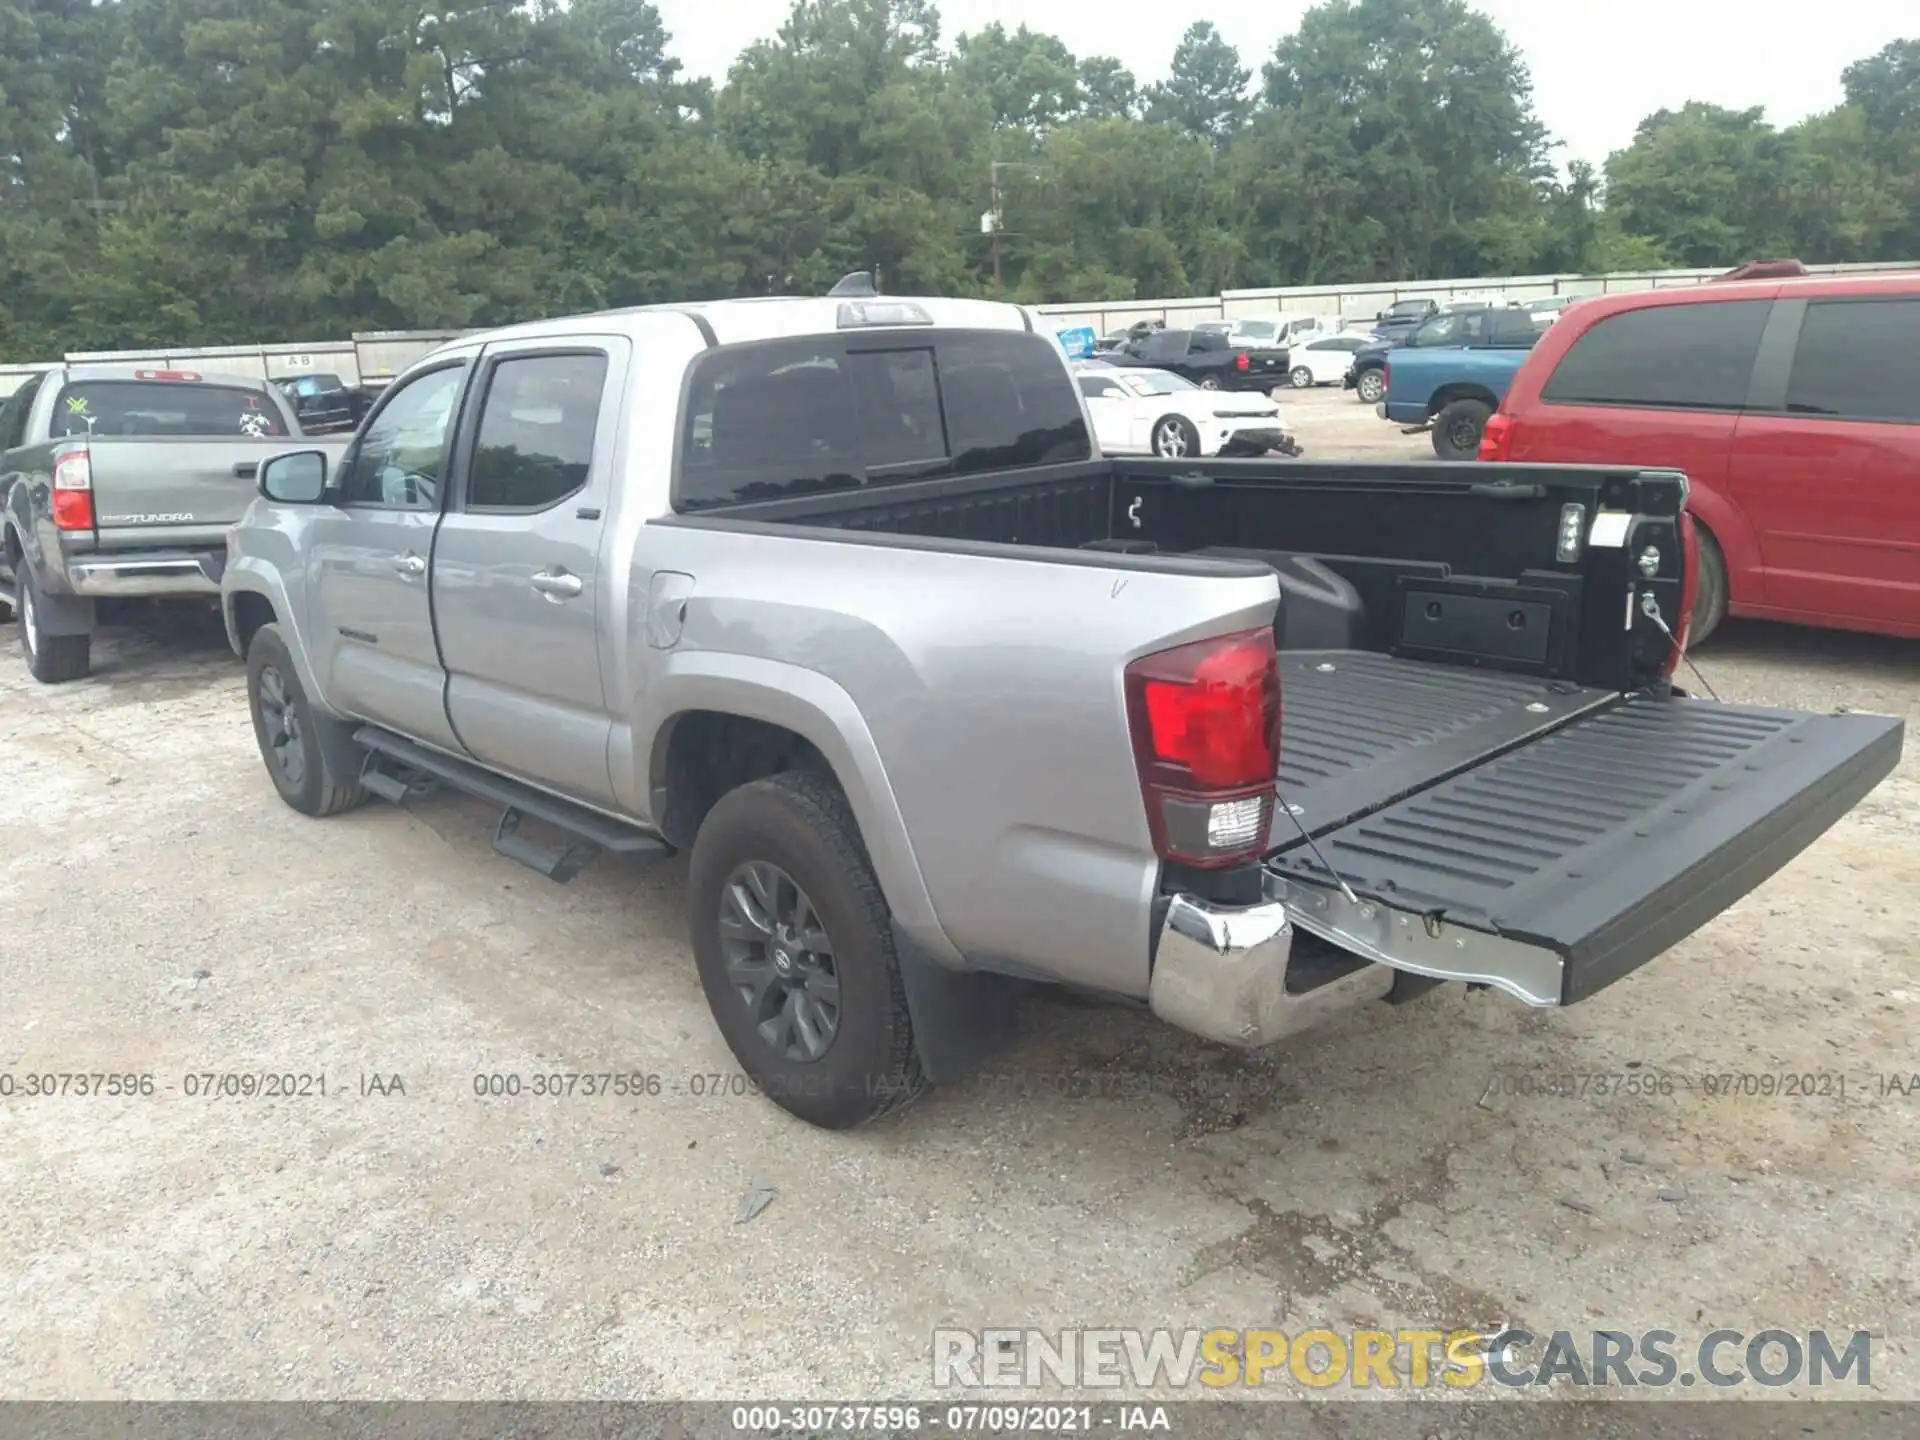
1391	1359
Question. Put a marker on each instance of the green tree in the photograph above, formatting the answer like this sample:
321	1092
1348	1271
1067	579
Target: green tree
1029	80
1206	89
1108	90
1704	183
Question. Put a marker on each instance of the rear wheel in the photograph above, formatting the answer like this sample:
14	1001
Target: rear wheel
1209	382
51	659
794	945
1174	438
1371	386
1458	427
1301	378
1709	589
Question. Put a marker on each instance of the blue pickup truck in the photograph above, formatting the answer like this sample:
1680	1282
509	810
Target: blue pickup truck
1451	374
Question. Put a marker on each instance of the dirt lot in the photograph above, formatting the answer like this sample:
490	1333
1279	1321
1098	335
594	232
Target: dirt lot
166	915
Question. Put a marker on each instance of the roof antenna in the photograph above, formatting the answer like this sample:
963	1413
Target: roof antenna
860	282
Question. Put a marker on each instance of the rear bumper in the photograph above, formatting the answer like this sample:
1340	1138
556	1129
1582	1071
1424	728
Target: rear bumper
1220	972
156	573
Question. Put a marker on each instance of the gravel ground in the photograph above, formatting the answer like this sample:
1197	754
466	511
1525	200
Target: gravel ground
400	1237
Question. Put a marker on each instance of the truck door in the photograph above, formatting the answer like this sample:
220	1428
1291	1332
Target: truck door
372	628
517	576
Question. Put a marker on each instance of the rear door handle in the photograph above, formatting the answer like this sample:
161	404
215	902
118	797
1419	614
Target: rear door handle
410	564
557	584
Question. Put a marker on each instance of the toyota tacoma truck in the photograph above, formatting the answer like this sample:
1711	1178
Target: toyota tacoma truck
119	482
840	596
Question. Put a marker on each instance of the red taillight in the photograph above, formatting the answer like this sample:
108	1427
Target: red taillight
73	492
1242	361
1206	739
1496	441
189	376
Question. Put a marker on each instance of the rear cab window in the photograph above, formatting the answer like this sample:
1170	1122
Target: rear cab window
1696	355
774	420
179	409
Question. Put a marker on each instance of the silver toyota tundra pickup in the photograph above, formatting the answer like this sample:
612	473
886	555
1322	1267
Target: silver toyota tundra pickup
119	482
838	594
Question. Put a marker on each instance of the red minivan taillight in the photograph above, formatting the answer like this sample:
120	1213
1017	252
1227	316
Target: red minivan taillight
73	492
1496	440
1205	720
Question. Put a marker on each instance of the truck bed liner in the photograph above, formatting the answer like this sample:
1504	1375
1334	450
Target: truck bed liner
1360	730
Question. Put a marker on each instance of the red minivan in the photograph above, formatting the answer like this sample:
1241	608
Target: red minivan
1792	406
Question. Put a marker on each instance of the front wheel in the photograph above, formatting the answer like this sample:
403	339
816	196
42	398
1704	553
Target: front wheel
794	944
1301	378
1709	590
1458	427
284	728
1174	438
1370	387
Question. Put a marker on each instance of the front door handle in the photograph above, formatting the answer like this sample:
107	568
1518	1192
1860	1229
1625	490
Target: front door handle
410	565
557	584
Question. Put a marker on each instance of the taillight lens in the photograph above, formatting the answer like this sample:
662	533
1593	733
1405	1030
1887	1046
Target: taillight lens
73	492
1205	719
1496	440
1242	361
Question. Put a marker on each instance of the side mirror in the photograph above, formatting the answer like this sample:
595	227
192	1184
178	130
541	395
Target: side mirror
296	479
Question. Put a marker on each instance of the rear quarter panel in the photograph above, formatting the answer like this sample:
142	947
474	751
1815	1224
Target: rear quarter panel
976	701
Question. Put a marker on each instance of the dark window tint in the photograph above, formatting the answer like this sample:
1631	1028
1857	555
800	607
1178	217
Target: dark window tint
1007	404
1165	345
13	417
179	408
536	431
787	418
1208	340
1680	357
1514	328
1858	359
402	453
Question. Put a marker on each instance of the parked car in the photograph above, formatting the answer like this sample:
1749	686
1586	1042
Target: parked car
839	596
1206	358
1404	315
1322	360
1548	309
1449	386
1367	373
323	402
1159	413
1793	408
120	482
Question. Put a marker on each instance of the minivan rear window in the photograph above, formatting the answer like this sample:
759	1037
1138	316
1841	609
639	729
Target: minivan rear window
150	408
1673	357
1858	360
785	418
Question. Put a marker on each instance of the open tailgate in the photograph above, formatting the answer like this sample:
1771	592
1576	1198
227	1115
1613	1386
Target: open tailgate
1563	863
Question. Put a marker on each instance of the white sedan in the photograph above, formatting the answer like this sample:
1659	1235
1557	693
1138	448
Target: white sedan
1160	413
1323	361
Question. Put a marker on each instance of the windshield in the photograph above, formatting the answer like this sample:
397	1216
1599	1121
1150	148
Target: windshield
1410	307
1441	330
1155	382
1259	329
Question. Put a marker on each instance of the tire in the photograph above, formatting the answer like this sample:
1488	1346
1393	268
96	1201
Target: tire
1209	382
1458	427
1371	386
795	833
1301	378
1710	591
51	659
1174	438
285	730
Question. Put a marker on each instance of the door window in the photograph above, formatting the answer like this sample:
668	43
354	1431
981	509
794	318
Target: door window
13	417
401	457
1688	356
1858	360
537	426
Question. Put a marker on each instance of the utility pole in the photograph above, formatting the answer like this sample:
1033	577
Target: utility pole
994	220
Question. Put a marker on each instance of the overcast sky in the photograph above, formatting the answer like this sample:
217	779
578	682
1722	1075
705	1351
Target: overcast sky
1598	66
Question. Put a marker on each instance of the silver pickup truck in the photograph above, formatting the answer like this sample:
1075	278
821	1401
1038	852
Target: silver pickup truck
119	482
839	595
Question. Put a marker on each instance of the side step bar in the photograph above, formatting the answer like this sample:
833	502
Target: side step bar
399	770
